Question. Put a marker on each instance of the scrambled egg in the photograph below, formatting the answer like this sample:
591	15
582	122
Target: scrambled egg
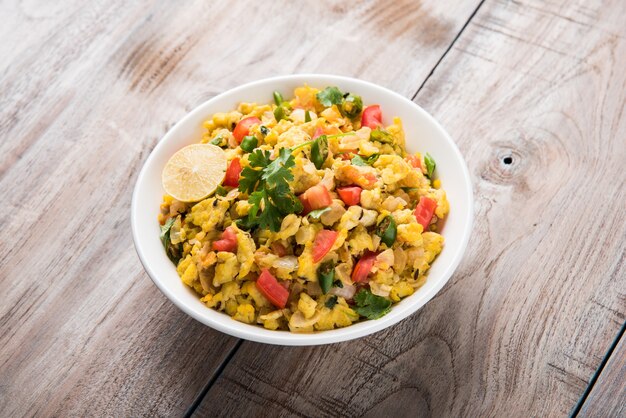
371	159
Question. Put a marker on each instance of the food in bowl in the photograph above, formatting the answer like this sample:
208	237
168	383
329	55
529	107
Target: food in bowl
302	215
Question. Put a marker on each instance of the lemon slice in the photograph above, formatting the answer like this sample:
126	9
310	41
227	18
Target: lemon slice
194	172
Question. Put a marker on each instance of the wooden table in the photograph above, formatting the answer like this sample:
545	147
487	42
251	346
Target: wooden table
531	324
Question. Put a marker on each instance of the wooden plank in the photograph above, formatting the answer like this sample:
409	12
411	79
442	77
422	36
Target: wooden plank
87	92
608	395
524	323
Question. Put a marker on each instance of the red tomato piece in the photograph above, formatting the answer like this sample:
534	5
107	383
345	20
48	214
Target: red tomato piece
318	132
351	195
243	127
228	242
363	267
414	161
232	173
372	117
424	211
306	206
324	241
271	289
317	197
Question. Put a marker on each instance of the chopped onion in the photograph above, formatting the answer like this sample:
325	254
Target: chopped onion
346	292
313	289
298	115
233	194
288	262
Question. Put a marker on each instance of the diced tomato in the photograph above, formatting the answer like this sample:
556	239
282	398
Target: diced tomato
278	249
364	179
424	211
372	117
317	197
232	173
351	195
243	127
271	289
363	267
318	132
324	241
414	161
228	241
306	206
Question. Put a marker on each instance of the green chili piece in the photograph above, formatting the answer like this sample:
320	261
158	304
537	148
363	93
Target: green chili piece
279	113
217	140
319	151
249	143
352	106
307	116
430	165
326	275
387	230
278	98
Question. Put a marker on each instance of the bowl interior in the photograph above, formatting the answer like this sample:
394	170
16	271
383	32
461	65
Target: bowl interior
423	134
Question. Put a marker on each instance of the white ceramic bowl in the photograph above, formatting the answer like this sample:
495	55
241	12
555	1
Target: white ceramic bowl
423	134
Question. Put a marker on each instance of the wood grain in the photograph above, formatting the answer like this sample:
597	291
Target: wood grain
608	396
87	91
526	320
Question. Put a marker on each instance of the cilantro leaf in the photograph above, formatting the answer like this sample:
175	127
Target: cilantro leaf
360	161
330	96
249	179
282	198
266	182
275	171
269	217
430	164
172	253
255	200
165	232
259	158
371	306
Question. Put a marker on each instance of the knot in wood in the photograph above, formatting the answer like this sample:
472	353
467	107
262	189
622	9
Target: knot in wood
508	163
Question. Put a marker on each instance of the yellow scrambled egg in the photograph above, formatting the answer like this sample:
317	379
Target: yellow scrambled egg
364	157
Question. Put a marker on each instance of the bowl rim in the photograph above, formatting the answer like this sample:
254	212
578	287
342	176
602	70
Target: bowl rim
262	335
